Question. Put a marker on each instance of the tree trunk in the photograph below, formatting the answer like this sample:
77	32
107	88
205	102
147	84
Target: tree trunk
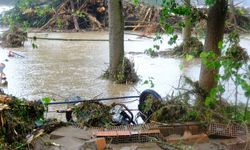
74	15
215	32
233	13
116	36
187	29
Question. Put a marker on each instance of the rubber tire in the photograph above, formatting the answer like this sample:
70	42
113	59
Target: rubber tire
142	100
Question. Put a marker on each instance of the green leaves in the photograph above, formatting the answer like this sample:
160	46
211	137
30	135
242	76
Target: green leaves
151	52
210	59
246	87
39	122
189	57
136	2
46	100
34	45
172	39
210	2
149	82
220	45
169	29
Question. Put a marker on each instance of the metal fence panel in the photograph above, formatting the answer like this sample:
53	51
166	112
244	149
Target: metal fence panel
152	2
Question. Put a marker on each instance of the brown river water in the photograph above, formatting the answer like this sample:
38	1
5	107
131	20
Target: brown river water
59	68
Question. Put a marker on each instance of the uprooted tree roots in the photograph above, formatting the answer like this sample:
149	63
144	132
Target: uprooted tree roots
14	37
125	74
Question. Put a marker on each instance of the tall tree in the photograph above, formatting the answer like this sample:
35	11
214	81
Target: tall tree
187	29
116	37
215	31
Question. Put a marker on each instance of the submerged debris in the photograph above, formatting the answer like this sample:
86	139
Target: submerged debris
126	73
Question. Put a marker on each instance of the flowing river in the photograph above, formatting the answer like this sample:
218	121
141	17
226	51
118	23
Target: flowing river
66	68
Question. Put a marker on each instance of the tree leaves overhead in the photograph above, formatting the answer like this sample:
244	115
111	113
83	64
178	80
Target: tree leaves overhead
210	2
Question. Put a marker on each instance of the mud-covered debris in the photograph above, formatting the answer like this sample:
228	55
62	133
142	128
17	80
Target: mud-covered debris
93	114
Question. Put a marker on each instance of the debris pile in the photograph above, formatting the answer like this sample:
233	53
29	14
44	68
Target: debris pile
195	48
93	15
164	111
80	15
17	119
237	53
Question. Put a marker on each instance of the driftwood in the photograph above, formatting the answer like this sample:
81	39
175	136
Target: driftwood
144	19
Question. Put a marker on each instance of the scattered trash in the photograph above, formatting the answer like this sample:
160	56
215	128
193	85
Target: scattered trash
13	54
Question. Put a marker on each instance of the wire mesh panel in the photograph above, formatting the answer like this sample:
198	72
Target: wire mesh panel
227	130
153	2
116	137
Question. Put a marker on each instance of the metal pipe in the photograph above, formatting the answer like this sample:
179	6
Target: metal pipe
93	100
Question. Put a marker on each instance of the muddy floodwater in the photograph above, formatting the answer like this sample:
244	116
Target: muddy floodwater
61	68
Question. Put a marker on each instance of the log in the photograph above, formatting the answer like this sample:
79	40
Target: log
93	20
